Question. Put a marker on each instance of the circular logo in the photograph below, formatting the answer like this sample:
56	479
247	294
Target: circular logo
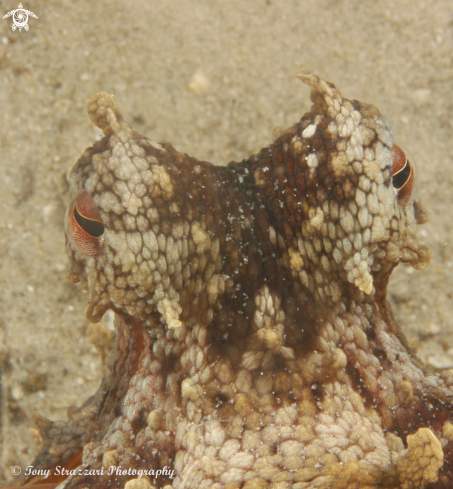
15	470
20	18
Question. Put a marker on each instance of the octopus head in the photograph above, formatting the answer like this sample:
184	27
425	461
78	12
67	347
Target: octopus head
345	198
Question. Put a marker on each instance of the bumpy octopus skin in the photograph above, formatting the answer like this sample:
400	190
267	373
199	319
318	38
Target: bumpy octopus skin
254	345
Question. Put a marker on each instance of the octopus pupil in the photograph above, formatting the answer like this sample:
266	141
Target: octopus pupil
93	228
400	178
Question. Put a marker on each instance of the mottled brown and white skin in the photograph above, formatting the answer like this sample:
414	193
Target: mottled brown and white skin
255	347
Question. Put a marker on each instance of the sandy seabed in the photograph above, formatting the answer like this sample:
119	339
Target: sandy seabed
213	78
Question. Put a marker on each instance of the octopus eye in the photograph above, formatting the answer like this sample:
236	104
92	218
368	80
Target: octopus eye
91	226
84	225
402	175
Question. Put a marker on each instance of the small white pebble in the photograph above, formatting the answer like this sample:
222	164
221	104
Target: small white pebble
421	96
433	328
46	211
440	361
199	83
17	393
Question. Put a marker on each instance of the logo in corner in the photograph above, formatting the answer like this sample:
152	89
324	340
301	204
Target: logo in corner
20	17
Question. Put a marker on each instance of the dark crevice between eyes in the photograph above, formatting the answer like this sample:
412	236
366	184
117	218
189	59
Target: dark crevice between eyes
93	228
400	178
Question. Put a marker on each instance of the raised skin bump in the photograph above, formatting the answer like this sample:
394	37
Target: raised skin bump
255	347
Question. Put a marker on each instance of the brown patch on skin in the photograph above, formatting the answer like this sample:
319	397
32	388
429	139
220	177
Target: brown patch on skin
255	346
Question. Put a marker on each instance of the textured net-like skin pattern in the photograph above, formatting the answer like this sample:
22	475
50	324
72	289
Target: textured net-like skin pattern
255	347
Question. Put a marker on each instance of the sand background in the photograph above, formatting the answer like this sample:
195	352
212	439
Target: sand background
213	78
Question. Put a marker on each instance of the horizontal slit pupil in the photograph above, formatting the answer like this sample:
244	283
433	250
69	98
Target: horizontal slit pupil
93	228
400	178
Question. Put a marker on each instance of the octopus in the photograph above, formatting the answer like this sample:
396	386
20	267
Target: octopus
254	346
